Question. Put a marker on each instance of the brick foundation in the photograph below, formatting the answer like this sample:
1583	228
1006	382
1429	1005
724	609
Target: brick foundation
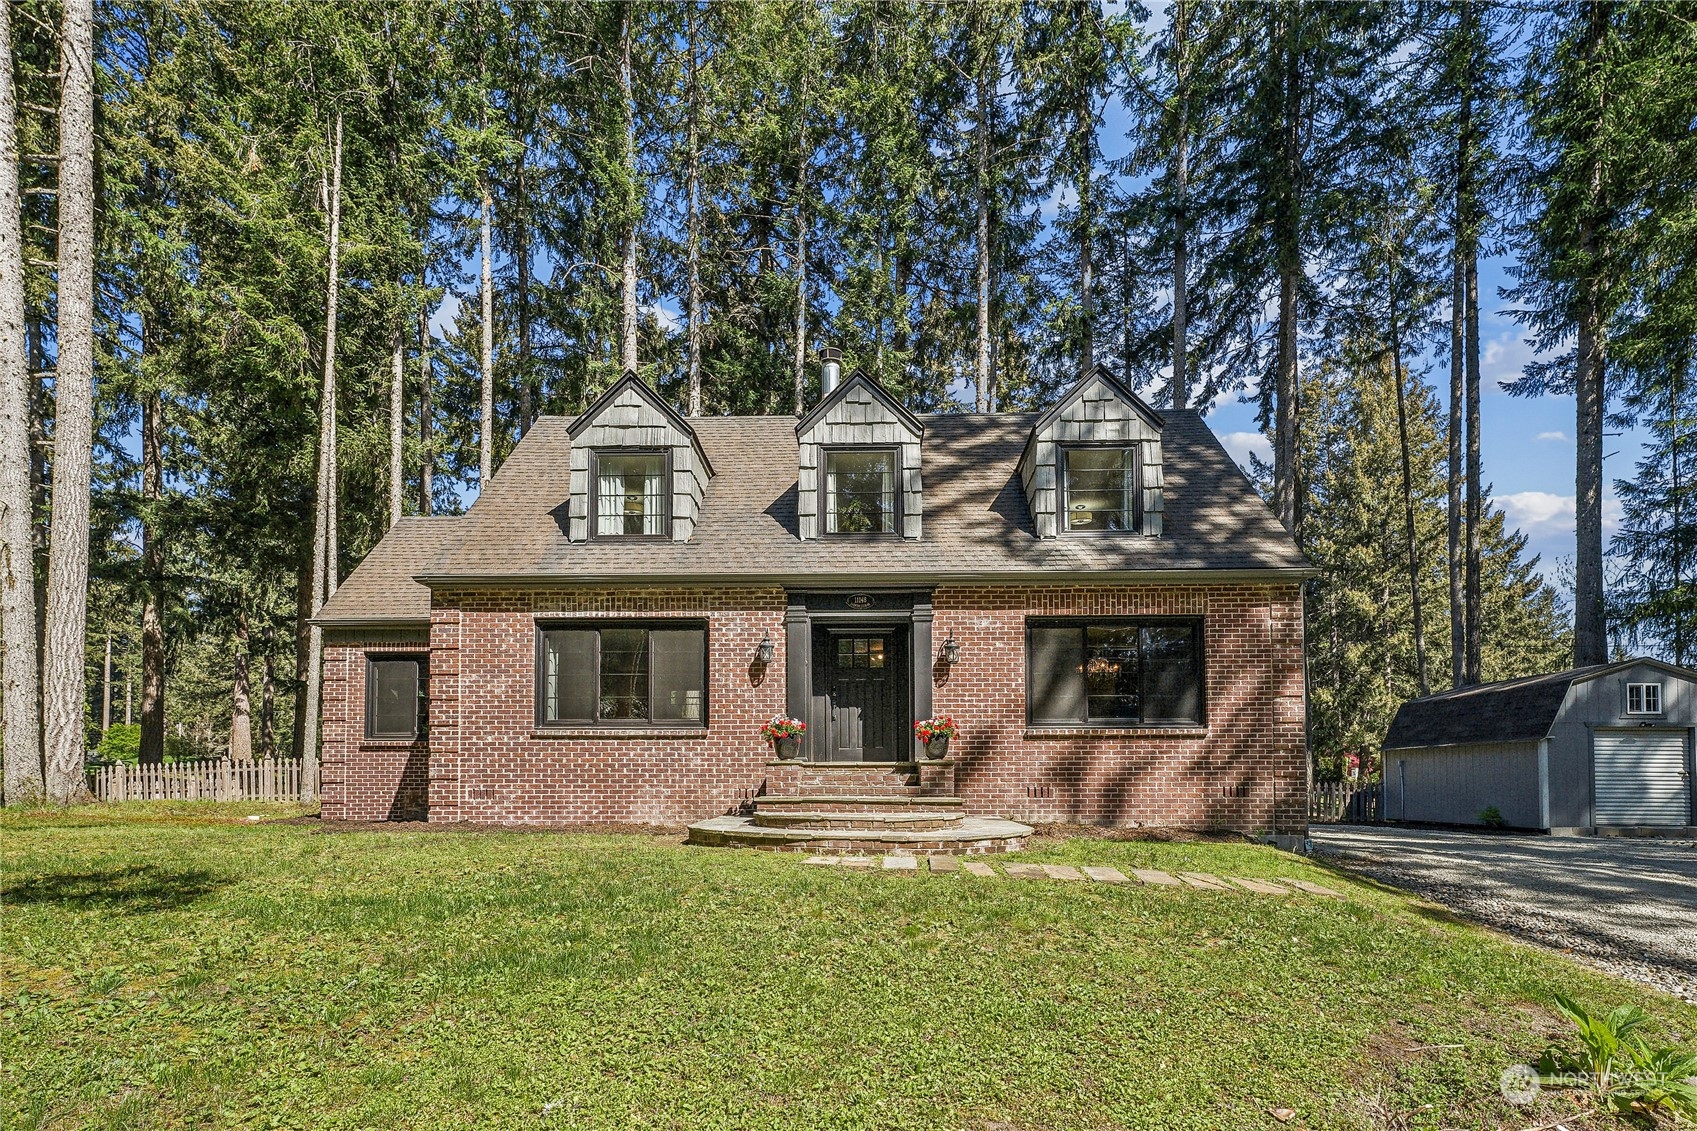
485	761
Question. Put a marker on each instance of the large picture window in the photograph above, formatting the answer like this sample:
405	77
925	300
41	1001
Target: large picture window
394	697
860	492
1099	492
1114	673
620	674
631	495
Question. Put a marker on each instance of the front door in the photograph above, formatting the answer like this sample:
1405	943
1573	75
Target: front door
860	694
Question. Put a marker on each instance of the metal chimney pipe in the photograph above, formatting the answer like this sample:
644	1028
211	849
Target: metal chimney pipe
830	369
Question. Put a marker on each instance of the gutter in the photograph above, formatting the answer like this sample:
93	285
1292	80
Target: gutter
882	579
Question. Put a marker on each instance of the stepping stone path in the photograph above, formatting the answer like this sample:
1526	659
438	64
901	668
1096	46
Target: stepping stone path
1261	886
1312	888
1067	873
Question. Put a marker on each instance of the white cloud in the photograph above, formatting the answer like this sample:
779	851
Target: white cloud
1242	444
1562	436
442	321
1539	514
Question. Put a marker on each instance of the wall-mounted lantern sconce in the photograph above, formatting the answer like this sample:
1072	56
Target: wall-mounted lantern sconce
951	651
765	650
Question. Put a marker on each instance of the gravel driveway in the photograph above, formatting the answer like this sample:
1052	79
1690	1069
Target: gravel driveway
1628	906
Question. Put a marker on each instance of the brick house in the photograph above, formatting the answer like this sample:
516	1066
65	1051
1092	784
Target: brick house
1096	594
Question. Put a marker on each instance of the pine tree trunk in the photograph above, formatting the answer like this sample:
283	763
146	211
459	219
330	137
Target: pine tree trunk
981	247
268	694
241	710
426	423
324	541
1287	236
1424	683
1475	495
397	420
528	395
1179	175
305	579
106	687
1590	635
63	679
152	748
22	694
804	158
1457	441
692	188
1084	134
627	266
486	351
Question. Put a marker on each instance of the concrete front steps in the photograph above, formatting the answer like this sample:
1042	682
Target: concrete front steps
865	832
896	808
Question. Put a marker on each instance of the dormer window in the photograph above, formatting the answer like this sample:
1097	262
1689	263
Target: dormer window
860	495
1099	489
632	494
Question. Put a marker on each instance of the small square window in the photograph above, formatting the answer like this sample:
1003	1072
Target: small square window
1100	489
1643	698
394	697
860	492
631	494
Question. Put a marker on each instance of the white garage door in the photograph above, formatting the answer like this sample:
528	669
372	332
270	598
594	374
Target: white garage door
1641	778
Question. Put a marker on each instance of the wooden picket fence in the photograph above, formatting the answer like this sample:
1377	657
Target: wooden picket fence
211	779
1337	801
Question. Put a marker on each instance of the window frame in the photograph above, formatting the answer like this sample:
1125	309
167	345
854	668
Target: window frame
1642	688
826	451
1100	723
597	626
1063	485
594	486
421	713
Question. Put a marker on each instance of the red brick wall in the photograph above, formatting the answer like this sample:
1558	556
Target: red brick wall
489	764
365	779
1245	770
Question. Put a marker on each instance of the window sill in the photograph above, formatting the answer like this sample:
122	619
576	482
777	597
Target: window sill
392	743
869	767
1136	730
617	732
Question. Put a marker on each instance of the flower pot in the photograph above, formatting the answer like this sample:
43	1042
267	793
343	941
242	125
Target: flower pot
937	747
787	748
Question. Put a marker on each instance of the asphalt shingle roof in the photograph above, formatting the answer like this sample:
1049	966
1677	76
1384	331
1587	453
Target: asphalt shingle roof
382	587
1515	710
976	523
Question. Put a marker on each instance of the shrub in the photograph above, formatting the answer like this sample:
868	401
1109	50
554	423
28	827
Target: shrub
121	743
1491	817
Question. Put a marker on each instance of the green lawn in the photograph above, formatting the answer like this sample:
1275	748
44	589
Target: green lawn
174	965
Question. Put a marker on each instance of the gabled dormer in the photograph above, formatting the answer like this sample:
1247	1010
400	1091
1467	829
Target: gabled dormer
859	469
638	471
1092	464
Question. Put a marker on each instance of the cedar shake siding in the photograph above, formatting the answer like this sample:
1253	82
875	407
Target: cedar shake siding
1172	596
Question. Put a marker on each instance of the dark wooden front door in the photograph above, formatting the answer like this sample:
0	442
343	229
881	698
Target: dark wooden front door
860	694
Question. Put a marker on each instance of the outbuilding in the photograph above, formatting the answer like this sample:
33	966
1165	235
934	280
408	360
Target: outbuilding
1597	749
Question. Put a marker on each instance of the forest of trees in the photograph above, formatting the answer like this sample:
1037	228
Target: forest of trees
272	275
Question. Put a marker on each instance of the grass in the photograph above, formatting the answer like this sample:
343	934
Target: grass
176	965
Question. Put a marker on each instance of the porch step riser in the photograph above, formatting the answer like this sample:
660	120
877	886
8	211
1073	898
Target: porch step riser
847	843
806	804
905	822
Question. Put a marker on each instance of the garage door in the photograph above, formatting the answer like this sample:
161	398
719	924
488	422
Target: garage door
1641	778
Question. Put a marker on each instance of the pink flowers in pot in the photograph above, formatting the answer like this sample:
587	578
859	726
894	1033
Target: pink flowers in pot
781	727
940	726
